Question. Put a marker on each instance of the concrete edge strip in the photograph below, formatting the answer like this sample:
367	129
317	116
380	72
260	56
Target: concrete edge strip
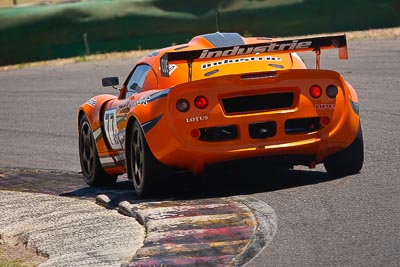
125	208
128	209
266	228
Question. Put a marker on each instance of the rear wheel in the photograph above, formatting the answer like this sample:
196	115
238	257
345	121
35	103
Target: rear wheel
348	161
144	169
93	173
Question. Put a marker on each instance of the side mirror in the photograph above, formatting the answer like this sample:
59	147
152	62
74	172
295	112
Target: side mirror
110	81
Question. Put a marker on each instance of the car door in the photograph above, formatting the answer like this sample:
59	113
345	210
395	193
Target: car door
115	116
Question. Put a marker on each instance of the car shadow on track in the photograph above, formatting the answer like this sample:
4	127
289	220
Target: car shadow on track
222	181
233	181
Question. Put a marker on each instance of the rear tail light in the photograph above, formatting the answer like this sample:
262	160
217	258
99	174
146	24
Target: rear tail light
315	91
331	91
182	105
195	133
201	102
325	121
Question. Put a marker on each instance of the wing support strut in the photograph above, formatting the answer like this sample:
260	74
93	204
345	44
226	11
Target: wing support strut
190	69
317	58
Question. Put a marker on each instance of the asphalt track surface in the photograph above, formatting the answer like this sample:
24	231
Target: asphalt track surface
351	221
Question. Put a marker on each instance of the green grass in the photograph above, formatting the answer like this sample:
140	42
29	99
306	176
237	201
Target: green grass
12	263
10	3
19	256
68	30
80	59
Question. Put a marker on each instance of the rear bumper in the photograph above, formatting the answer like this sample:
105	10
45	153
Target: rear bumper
315	146
196	161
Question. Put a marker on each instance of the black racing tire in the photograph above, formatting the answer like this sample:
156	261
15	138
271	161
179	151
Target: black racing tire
144	169
348	161
92	171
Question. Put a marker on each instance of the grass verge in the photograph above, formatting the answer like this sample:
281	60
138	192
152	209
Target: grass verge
18	255
354	35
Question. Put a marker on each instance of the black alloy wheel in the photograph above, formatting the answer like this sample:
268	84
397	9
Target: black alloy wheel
92	171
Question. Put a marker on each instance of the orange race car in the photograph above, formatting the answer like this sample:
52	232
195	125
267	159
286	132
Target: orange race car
219	98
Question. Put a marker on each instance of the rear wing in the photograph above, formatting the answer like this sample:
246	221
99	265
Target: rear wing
315	44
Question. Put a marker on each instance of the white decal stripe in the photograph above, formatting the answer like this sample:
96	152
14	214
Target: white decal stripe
97	133
120	157
106	160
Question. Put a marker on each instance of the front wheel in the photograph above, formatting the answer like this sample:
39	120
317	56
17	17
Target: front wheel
144	169
92	171
348	161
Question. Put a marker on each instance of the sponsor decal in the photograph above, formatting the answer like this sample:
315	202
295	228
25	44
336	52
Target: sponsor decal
324	106
269	58
91	102
167	68
144	100
111	129
195	119
272	47
172	68
239	60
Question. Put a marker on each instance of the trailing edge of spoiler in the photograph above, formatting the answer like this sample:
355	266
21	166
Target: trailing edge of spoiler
286	46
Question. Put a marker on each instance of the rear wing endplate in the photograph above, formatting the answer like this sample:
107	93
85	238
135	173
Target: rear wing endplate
315	44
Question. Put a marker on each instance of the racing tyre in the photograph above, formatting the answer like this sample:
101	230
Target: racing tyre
144	169
93	173
348	161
